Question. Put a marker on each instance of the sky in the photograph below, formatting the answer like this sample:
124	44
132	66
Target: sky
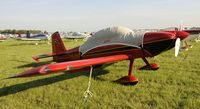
93	15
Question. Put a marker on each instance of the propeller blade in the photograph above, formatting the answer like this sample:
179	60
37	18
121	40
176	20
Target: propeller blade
177	46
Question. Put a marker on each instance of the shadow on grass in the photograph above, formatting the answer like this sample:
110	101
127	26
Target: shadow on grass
34	64
29	43
22	44
50	80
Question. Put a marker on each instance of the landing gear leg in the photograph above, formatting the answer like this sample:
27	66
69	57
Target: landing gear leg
130	79
149	66
186	47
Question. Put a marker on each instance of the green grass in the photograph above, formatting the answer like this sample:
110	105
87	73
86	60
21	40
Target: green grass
175	85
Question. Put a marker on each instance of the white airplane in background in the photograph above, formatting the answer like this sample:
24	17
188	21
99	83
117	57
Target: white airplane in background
37	37
77	35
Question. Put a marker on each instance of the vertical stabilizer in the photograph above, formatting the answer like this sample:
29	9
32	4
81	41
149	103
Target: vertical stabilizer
57	47
57	44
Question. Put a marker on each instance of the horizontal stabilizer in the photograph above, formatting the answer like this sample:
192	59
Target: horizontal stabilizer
36	58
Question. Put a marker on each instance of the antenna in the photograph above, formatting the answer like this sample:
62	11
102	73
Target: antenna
181	25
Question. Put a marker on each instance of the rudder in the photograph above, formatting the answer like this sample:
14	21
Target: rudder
58	47
57	44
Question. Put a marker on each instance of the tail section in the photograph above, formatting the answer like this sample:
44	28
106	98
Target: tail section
58	49
57	46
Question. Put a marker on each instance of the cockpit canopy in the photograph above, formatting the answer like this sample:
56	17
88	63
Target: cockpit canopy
111	36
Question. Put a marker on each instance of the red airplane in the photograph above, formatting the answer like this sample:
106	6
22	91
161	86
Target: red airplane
108	45
193	34
2	39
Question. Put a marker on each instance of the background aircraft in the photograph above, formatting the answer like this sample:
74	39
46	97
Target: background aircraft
2	37
77	35
36	37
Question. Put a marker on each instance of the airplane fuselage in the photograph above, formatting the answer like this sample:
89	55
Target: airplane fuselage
154	43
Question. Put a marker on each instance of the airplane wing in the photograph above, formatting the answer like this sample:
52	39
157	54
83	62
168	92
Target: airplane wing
192	31
71	65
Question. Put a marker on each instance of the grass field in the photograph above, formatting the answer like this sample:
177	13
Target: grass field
175	85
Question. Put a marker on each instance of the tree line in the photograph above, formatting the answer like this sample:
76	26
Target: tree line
13	31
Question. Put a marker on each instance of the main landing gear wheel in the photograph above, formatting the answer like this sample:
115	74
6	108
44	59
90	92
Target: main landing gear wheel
128	80
184	48
151	66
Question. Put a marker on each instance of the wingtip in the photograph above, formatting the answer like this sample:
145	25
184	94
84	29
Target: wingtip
36	58
7	78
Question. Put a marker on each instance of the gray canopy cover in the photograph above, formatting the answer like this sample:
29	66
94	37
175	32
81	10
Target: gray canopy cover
111	36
